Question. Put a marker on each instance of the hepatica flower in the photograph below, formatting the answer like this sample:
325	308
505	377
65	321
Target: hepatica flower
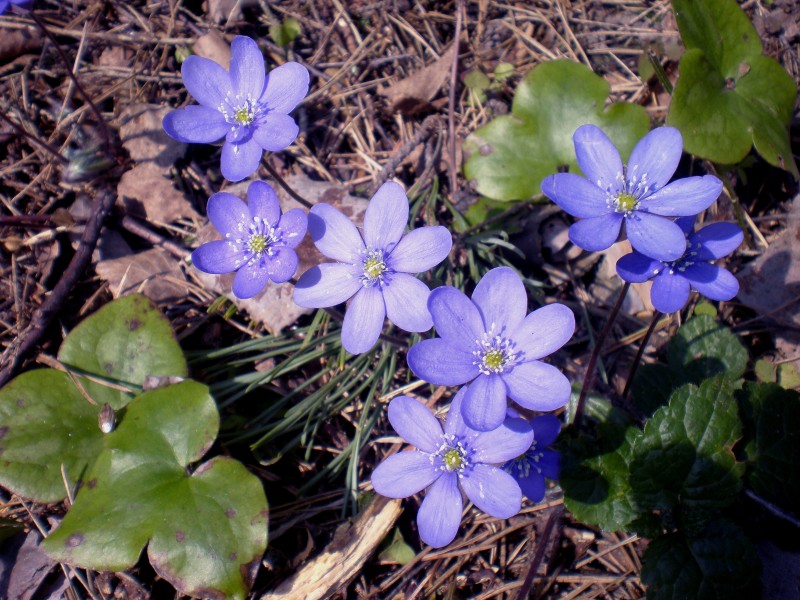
448	461
637	197
4	4
244	105
488	340
375	269
673	280
258	241
538	462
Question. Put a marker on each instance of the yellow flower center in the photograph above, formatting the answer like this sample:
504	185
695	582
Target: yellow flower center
452	459
257	243
494	360
374	267
243	115
626	202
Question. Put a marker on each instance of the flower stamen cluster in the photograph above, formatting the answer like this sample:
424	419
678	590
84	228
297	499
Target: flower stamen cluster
495	353
373	268
452	455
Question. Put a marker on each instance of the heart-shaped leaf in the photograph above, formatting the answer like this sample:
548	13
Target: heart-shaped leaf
684	456
510	156
205	532
45	425
124	342
771	416
721	562
729	96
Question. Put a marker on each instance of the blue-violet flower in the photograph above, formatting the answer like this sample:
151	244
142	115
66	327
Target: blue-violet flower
4	4
449	461
490	341
538	462
673	280
375	269
245	105
638	196
259	242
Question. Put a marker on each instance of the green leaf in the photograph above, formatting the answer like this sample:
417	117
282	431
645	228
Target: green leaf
720	563
285	33
703	348
509	157
205	532
729	96
475	80
503	71
397	550
125	341
594	468
765	371
684	456
45	423
652	387
771	416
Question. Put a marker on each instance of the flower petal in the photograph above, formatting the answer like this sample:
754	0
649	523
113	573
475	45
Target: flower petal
502	301
275	131
415	423
251	279
404	474
217	257
334	234
686	224
537	385
656	237
655	157
325	285
635	267
363	320
440	513
454	424
437	361
575	195
293	225
492	490
533	486
263	202
669	292
386	216
282	264
208	82
286	86
716	240
511	439
598	158
229	214
240	160
406	299
545	430
684	197
456	318
195	124
484	406
550	463
712	281
544	331
247	68
421	249
596	233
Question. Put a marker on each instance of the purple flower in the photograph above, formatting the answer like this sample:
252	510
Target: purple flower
538	462
673	280
245	105
491	342
457	457
4	4
375	269
259	242
638	196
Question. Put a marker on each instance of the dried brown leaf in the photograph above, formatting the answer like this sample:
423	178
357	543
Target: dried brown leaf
154	273
213	46
413	94
146	192
144	137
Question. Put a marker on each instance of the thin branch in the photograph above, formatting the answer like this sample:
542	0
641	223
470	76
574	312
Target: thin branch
274	174
541	546
451	104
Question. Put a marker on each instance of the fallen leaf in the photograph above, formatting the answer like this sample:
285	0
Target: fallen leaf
154	273
274	307
24	569
413	94
214	47
144	138
147	192
16	42
607	283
